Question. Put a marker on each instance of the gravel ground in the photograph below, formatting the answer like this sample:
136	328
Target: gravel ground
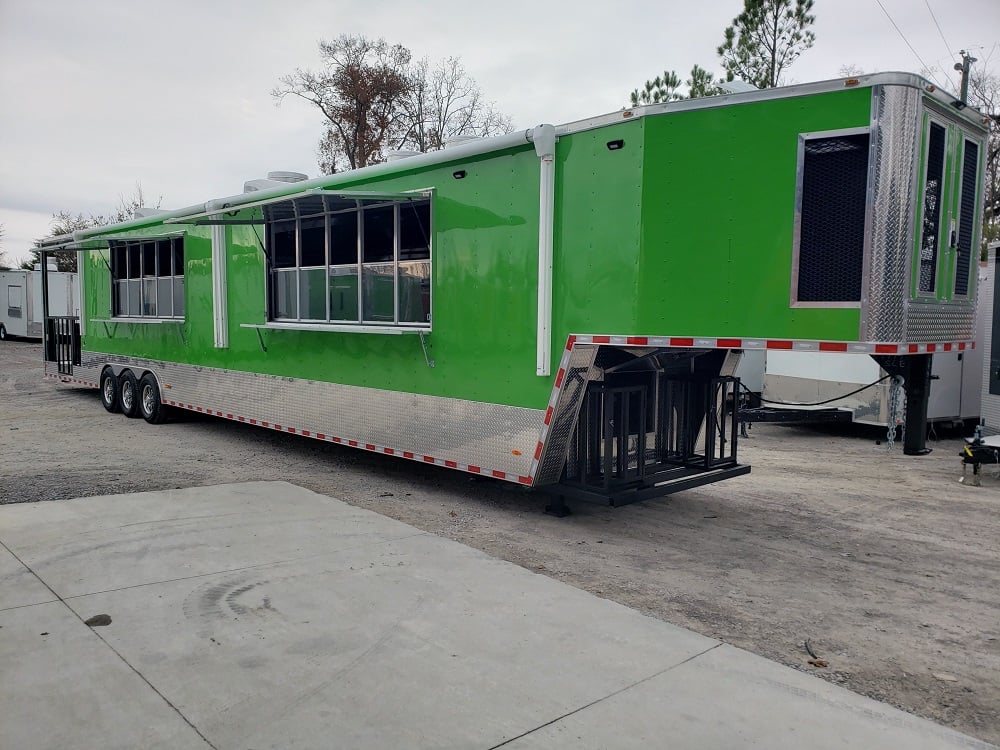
885	563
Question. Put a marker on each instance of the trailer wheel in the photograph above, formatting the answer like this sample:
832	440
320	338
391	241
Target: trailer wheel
110	390
3	333
150	406
128	394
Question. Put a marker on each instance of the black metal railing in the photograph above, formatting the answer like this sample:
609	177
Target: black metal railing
654	429
62	342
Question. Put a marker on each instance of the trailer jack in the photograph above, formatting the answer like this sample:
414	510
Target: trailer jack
915	369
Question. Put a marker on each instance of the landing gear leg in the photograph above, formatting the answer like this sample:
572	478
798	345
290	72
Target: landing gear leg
558	507
918	388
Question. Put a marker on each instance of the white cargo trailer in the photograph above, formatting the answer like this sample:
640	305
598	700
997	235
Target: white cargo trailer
21	311
989	344
792	380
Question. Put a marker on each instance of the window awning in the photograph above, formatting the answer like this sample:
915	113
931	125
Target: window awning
100	242
308	203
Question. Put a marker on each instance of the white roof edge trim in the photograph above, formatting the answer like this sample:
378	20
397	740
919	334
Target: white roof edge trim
871	80
347	194
443	156
134	237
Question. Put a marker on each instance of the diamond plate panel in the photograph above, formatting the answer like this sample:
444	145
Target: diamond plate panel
565	414
896	116
465	432
940	321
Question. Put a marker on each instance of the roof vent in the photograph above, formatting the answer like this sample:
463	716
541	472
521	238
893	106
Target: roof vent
737	87
287	176
400	153
459	140
143	211
252	186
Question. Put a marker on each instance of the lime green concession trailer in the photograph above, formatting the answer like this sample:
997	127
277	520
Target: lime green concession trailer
561	307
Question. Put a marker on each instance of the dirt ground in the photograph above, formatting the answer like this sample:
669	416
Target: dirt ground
885	563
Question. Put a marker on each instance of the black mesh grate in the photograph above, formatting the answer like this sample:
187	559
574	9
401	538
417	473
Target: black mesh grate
832	220
967	217
930	232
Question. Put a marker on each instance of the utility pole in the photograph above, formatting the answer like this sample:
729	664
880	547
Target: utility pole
964	66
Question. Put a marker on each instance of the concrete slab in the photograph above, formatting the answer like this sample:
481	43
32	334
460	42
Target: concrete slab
63	687
420	643
115	541
19	587
729	698
268	616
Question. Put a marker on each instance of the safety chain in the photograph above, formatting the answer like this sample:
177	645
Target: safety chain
902	418
895	391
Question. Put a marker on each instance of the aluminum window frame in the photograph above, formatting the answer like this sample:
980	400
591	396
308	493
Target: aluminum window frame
362	204
931	117
119	310
977	226
871	131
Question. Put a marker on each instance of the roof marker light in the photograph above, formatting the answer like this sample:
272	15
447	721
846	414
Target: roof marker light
852	82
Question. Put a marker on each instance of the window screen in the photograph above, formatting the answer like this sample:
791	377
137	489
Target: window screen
967	218
832	219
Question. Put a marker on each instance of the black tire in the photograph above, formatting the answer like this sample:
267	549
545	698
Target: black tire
128	394
150	405
110	391
3	333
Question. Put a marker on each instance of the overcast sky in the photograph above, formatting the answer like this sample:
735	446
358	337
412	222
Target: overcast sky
97	95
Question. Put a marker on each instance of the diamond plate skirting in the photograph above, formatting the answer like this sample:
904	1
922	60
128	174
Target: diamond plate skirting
940	321
896	118
496	439
575	369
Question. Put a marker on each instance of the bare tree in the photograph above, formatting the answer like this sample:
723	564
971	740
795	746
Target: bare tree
766	38
443	102
358	91
66	222
984	94
374	98
3	253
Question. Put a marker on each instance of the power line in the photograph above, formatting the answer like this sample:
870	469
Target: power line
934	18
907	41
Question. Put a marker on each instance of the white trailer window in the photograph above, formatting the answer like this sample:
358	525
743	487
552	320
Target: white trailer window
147	278
341	261
14	301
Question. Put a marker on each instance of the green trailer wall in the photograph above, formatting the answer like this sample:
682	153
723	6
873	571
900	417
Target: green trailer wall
484	291
717	245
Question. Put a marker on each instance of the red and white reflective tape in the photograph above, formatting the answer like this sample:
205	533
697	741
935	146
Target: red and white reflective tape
360	444
797	345
697	342
67	379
